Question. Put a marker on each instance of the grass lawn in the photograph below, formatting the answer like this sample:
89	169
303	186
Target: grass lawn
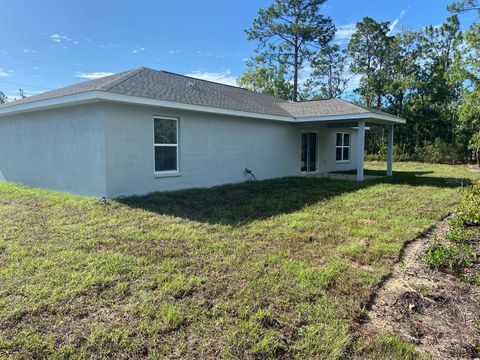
277	268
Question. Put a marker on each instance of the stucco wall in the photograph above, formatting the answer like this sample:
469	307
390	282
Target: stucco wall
61	149
213	149
106	149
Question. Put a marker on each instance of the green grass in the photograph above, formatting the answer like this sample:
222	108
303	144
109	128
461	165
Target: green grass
278	268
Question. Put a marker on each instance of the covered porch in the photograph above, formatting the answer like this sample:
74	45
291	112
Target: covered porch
360	123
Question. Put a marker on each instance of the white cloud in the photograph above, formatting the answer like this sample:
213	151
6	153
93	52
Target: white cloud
224	77
59	38
137	50
345	32
174	51
4	73
395	22
27	51
93	75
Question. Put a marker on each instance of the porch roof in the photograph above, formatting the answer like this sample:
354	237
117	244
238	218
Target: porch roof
338	111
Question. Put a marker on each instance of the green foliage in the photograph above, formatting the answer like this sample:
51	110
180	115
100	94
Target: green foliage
288	33
464	6
370	51
452	259
460	234
328	79
469	209
3	98
459	253
438	151
267	78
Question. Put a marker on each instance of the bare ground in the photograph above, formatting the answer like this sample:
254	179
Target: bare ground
435	311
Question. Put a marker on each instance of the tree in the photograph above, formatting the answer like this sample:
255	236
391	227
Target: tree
266	78
403	69
464	6
289	33
328	78
469	115
369	52
474	145
3	98
21	93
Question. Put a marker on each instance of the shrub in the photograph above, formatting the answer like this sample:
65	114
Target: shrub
469	209
399	154
452	259
437	151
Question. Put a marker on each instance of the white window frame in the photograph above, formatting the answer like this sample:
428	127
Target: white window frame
343	146
317	162
165	173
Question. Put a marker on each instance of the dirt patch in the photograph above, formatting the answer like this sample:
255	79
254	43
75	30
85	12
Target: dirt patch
435	311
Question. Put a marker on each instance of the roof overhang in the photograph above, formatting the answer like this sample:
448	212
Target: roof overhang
97	96
371	118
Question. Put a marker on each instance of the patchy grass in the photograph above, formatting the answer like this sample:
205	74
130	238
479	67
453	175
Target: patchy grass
278	268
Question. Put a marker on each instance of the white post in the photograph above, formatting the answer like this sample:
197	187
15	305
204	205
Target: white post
360	149
390	151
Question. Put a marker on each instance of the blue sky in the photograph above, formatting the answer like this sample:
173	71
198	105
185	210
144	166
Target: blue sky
51	43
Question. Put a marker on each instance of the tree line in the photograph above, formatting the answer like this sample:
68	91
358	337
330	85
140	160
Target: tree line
429	76
4	98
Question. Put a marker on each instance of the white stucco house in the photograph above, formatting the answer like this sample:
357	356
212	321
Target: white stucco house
144	130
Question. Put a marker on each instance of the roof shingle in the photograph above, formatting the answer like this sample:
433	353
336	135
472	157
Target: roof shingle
163	85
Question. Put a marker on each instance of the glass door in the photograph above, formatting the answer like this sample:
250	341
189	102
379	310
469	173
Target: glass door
309	151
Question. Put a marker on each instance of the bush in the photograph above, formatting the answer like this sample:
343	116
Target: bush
398	154
452	259
469	209
437	151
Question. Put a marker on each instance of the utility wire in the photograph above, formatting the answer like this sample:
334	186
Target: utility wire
38	61
33	60
22	84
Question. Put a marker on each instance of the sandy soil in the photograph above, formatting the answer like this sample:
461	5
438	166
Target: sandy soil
435	311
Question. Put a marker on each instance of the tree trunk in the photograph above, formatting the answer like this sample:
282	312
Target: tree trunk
478	157
295	73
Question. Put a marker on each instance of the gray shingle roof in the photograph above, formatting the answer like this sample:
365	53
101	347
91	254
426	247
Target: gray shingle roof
163	85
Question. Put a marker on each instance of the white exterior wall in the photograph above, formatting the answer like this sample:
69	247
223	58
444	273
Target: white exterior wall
61	149
106	149
213	149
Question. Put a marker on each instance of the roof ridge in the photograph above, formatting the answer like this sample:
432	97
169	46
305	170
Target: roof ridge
114	82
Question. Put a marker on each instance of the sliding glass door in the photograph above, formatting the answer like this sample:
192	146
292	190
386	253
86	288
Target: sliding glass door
309	151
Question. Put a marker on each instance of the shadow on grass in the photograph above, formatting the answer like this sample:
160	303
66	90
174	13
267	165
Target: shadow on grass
240	204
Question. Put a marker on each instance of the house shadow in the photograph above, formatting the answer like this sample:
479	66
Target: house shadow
239	204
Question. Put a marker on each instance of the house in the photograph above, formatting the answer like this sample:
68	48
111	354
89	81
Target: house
145	130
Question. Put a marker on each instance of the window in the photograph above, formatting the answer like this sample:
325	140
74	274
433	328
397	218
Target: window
343	147
165	144
309	152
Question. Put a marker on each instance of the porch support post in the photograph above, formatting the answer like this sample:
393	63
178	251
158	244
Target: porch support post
360	149
390	151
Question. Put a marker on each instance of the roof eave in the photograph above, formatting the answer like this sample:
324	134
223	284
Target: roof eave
96	95
46	104
370	117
